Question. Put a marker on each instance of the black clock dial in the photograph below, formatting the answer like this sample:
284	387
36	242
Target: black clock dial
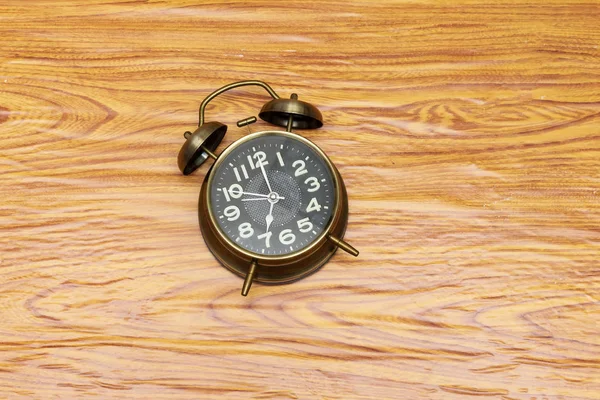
272	195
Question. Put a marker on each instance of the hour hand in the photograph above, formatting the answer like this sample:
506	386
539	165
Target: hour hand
269	218
262	198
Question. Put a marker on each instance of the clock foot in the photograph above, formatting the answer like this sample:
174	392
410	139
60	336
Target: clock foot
249	278
343	245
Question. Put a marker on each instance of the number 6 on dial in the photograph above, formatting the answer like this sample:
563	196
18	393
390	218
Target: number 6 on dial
287	237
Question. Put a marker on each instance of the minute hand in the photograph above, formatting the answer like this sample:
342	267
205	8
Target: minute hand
262	168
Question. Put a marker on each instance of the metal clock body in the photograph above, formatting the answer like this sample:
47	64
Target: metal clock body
304	210
273	208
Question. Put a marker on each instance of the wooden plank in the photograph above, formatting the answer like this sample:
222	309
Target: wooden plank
468	137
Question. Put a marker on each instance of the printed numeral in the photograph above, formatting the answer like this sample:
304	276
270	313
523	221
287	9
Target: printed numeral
314	183
232	213
267	237
313	205
287	237
237	173
280	159
234	191
304	225
246	230
261	160
301	170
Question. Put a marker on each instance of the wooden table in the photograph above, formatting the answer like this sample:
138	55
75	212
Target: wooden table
468	136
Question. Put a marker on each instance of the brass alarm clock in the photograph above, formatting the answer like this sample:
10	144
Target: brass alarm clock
273	208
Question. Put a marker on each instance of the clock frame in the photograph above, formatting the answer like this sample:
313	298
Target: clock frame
272	268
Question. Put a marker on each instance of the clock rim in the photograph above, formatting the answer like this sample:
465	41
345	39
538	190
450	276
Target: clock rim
225	240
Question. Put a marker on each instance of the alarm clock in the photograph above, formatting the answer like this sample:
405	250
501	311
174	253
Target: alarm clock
273	208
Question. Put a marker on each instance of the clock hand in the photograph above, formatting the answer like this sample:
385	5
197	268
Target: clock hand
262	198
262	168
269	218
252	194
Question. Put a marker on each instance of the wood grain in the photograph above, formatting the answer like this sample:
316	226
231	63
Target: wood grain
468	134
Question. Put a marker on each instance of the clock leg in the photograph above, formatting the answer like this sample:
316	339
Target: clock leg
249	278
343	245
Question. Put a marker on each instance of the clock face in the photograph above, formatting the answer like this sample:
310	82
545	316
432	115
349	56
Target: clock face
272	195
